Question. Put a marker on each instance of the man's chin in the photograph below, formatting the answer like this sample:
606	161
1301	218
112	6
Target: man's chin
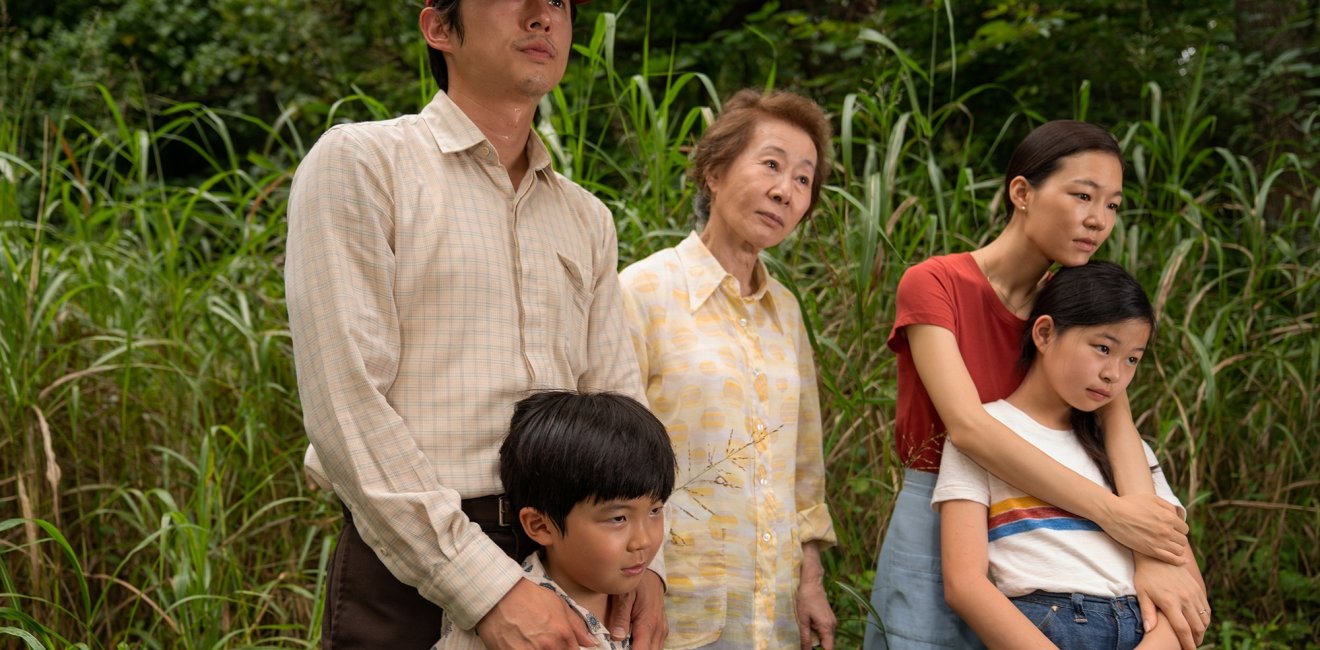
536	87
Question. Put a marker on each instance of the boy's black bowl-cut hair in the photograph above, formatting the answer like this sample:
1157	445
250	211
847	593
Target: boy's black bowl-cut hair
568	447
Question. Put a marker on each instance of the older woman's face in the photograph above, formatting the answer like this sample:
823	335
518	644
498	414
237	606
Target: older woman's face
763	193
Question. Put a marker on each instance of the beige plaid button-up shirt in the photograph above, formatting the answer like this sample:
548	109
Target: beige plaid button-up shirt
426	295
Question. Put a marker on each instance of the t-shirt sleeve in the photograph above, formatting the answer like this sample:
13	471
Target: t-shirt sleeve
1161	482
960	479
923	298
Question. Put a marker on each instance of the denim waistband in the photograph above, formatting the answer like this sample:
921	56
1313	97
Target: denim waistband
919	482
1122	606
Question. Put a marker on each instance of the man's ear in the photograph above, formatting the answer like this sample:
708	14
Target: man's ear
435	30
1042	331
538	526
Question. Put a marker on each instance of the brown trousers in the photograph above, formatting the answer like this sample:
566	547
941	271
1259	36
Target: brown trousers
367	607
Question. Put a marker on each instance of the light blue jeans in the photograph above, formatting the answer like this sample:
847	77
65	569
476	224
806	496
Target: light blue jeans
1077	621
909	588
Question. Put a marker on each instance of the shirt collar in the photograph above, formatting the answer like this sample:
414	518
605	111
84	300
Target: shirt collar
454	132
705	276
534	569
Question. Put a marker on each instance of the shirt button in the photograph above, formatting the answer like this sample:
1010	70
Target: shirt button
765	537
760	426
765	481
742	322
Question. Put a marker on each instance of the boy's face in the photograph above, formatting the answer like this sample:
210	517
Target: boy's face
608	547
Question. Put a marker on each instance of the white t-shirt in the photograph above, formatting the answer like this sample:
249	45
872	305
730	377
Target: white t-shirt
1034	545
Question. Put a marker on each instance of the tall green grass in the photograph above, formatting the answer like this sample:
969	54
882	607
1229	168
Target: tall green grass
150	435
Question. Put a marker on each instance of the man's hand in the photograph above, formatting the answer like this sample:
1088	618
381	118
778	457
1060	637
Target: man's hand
1177	594
1148	525
533	618
641	613
815	618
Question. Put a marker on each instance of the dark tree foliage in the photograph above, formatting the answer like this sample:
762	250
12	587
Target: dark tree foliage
1259	60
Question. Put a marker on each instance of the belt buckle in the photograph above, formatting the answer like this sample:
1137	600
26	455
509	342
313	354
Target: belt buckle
503	508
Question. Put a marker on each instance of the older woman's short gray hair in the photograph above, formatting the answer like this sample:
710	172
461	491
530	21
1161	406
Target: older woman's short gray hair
730	133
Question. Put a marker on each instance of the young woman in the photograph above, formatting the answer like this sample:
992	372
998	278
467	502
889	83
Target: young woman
956	334
1022	573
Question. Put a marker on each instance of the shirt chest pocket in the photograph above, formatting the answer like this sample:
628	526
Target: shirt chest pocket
574	294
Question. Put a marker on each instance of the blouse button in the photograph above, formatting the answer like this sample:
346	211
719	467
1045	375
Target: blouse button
742	322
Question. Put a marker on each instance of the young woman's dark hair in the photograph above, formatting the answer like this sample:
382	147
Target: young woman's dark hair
568	447
1096	293
448	10
1038	155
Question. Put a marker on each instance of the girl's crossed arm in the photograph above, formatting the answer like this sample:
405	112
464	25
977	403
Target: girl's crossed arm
964	552
1141	521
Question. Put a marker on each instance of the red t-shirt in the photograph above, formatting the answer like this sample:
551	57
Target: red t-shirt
950	291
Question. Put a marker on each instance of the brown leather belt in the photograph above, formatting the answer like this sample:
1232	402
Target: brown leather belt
489	512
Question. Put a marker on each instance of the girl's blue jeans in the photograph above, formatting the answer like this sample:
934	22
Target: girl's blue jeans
1080	622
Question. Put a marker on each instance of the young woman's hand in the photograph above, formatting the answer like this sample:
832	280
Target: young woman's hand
1139	519
1179	596
1148	525
815	618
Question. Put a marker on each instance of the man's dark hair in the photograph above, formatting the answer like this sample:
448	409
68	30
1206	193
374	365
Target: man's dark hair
449	15
569	447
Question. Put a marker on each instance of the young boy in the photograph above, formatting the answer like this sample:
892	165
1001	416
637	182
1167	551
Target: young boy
587	476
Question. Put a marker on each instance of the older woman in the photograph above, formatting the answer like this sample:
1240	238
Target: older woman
729	370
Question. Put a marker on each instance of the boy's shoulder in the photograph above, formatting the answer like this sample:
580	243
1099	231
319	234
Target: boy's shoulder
534	570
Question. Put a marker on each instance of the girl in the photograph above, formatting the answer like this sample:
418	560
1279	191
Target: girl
1070	582
956	335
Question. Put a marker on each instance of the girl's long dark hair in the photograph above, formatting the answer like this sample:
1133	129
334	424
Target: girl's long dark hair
1096	293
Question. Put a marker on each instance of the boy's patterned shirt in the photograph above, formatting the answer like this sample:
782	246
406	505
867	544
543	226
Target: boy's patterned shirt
454	638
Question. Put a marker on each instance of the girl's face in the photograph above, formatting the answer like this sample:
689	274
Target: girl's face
1072	212
1087	366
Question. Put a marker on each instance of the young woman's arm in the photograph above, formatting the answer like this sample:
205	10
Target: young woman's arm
964	549
1142	522
1178	592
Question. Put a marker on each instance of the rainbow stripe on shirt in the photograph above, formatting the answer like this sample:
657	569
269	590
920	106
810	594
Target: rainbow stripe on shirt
1025	514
